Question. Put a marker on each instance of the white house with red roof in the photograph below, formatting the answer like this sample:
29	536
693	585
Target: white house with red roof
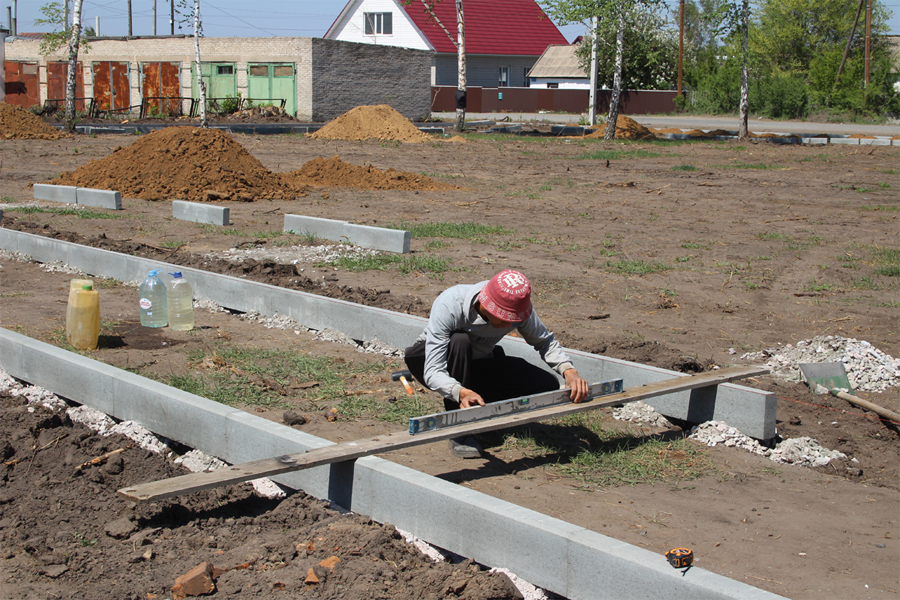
504	38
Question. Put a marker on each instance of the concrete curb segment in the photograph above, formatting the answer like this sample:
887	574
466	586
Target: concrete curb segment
751	411
555	555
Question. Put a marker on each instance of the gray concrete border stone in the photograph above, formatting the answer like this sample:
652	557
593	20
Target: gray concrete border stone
200	213
750	410
365	236
55	193
98	198
559	556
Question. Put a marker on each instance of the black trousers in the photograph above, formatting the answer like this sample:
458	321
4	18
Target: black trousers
499	377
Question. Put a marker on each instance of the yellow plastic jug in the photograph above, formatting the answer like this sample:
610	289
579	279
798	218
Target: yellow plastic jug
83	328
74	286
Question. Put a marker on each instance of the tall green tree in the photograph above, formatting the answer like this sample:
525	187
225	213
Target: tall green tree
650	59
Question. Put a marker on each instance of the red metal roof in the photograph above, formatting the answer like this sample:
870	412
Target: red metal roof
517	27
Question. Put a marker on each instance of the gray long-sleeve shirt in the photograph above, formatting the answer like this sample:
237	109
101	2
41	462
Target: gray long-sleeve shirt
454	310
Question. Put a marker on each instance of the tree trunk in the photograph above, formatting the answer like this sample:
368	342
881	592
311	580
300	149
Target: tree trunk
592	106
745	79
617	81
201	85
74	42
461	68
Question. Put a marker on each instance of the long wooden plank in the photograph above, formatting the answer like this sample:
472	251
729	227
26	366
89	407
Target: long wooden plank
195	482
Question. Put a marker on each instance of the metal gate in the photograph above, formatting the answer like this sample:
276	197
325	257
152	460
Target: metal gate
112	85
268	82
161	88
58	79
22	83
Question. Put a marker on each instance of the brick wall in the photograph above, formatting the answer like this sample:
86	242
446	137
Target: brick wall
346	75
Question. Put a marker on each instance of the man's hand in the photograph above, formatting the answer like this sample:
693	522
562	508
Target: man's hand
578	385
469	398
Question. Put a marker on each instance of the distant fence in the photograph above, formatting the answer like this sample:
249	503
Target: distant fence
533	99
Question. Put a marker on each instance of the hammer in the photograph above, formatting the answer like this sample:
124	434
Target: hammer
401	377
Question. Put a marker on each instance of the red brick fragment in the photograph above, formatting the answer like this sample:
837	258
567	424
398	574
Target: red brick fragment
196	582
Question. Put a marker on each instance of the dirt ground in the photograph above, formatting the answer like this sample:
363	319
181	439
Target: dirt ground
756	245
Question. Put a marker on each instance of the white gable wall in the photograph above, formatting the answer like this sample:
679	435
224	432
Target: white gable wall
352	29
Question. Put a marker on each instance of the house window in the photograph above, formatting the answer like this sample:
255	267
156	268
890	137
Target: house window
224	69
504	77
553	86
378	23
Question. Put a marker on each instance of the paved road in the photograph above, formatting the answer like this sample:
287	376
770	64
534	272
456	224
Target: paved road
704	122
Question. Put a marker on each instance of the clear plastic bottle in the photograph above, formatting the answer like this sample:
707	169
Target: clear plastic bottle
83	328
153	301
180	299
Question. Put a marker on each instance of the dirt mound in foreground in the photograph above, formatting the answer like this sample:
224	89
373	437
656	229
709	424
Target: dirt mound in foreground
16	123
337	173
183	163
380	122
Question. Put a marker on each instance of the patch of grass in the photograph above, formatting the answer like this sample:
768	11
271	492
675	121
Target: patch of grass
465	231
436	244
685	168
288	239
174	244
617	154
888	261
814	285
884	207
404	263
602	457
883	185
7	199
889	171
694	245
66	212
396	410
772	235
220	229
755	166
634	267
266	235
863	283
238	375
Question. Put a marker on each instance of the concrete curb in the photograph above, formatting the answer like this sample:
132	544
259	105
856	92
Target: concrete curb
377	238
200	213
555	555
749	410
78	195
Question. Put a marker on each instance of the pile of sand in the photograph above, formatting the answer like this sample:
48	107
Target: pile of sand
336	173
183	163
379	122
16	123
626	129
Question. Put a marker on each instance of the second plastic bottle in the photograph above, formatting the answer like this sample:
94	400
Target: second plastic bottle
152	294
180	300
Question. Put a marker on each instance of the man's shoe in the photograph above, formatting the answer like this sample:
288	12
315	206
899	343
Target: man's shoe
467	447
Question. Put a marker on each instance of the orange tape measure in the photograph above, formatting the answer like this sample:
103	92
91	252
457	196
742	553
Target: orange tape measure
680	557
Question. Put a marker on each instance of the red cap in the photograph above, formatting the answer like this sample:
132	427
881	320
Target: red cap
507	296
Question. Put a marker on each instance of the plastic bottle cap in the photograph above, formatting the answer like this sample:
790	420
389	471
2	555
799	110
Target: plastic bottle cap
176	274
154	272
87	287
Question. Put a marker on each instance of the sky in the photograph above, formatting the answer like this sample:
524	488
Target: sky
239	18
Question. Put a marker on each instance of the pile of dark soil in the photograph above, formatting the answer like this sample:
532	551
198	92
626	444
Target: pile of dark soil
16	123
184	163
336	173
65	534
380	122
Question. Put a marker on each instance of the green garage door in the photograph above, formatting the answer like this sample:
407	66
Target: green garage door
220	79
269	82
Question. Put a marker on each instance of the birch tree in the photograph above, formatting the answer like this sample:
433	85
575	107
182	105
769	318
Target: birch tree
201	85
460	43
71	35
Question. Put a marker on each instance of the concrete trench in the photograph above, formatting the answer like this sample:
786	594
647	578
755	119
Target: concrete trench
567	559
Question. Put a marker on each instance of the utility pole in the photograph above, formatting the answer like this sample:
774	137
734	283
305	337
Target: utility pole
130	30
154	17
868	39
680	44
592	110
849	42
171	17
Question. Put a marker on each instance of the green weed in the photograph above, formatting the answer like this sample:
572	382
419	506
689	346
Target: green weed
404	263
617	154
173	244
884	207
66	212
466	231
684	168
635	267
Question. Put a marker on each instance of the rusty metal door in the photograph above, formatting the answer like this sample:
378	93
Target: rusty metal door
22	84
161	87
112	85
58	78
